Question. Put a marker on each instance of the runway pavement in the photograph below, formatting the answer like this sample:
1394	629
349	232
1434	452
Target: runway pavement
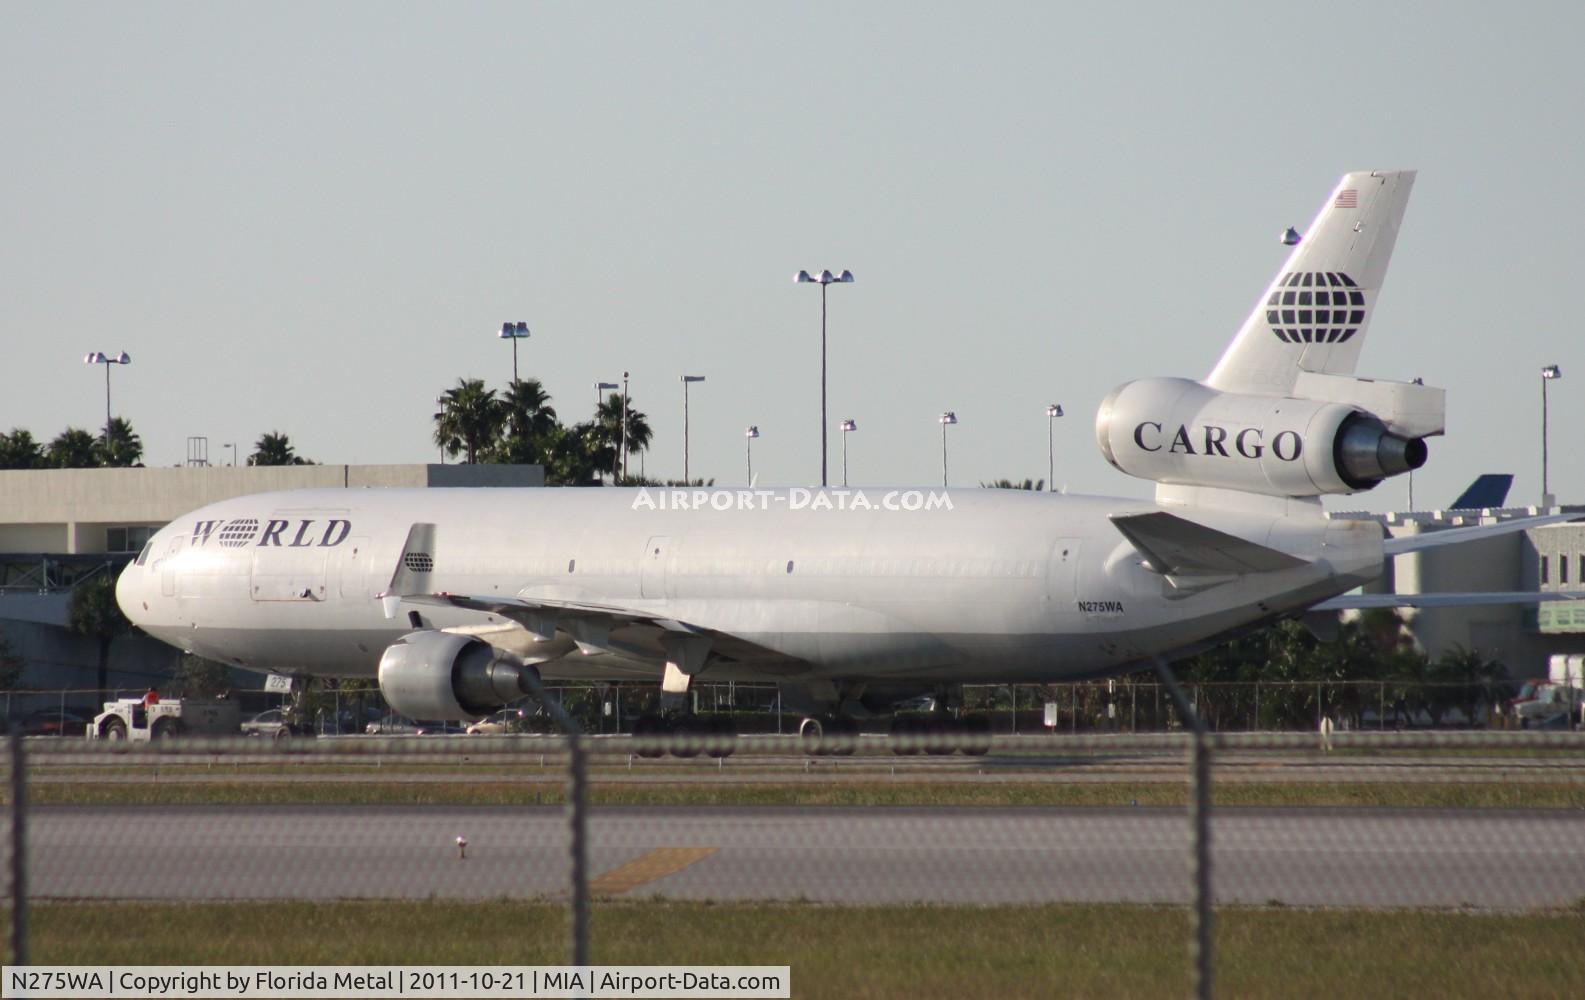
1500	859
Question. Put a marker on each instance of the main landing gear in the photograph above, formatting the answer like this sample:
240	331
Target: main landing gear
937	734
829	736
684	735
940	734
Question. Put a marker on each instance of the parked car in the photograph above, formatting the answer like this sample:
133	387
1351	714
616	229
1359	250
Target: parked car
391	725
439	729
54	722
275	725
507	720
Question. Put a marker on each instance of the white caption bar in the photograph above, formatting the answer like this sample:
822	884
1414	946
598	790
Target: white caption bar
136	982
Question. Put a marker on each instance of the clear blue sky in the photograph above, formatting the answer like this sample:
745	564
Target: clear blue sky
313	217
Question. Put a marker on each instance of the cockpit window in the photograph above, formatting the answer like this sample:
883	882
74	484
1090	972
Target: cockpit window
143	556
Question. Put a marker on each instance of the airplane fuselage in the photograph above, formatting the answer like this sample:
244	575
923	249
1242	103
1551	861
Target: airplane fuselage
872	584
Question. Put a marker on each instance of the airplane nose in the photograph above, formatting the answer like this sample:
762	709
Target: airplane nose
127	591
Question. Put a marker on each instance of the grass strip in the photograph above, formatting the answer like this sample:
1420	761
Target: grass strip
915	952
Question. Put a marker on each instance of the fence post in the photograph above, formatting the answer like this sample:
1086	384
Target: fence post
1199	835
19	894
577	820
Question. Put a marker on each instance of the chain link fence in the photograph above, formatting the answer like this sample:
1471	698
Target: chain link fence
1109	808
1124	706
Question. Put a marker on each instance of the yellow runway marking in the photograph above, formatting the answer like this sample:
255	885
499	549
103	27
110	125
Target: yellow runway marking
646	868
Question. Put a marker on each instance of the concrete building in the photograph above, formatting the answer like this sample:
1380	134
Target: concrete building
60	528
1521	637
75	511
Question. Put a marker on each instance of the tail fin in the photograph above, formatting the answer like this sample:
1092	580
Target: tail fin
1314	315
1488	490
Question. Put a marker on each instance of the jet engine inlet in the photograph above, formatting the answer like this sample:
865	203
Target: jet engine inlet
443	675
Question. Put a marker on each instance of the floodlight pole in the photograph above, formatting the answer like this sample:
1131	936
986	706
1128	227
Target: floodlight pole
823	279
624	426
686	480
848	426
947	419
1052	413
101	358
1548	373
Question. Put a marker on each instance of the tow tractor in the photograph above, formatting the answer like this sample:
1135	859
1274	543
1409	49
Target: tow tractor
130	719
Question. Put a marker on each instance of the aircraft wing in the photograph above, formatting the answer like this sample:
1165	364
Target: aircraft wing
1175	547
1361	602
595	628
1454	536
600	628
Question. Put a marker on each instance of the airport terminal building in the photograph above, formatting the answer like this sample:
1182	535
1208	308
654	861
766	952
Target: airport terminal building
60	528
1522	637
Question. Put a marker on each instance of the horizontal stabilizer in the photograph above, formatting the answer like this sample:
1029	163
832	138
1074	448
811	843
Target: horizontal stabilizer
1364	602
1174	546
1454	536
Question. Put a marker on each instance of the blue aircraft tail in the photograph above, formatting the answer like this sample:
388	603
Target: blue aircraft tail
1488	490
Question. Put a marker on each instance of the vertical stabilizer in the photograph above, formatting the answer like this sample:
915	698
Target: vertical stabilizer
1315	313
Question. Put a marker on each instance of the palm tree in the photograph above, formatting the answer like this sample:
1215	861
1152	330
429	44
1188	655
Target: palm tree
531	422
607	433
469	419
75	448
124	449
275	448
569	456
18	450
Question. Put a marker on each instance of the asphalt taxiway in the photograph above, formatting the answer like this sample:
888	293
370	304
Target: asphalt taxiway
1486	858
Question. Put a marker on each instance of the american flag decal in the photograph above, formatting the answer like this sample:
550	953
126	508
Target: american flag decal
1347	198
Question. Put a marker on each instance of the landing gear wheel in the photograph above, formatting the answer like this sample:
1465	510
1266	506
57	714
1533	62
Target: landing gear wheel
722	739
844	737
691	733
114	730
941	736
812	737
647	736
976	739
907	735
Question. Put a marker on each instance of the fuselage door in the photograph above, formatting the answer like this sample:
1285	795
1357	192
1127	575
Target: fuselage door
652	567
168	567
1062	572
352	561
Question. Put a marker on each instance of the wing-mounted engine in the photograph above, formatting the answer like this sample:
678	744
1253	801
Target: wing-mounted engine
1335	434
444	675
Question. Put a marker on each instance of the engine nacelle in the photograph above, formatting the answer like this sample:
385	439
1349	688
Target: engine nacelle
446	676
1184	432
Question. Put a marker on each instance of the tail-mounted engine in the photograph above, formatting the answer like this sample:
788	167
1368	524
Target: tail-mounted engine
443	675
1337	435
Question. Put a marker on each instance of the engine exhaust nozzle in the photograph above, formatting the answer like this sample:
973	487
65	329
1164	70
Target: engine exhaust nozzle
1366	452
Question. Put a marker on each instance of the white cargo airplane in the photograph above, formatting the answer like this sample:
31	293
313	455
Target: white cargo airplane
852	600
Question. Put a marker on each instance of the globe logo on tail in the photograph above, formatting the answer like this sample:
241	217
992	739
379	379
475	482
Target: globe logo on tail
1315	307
